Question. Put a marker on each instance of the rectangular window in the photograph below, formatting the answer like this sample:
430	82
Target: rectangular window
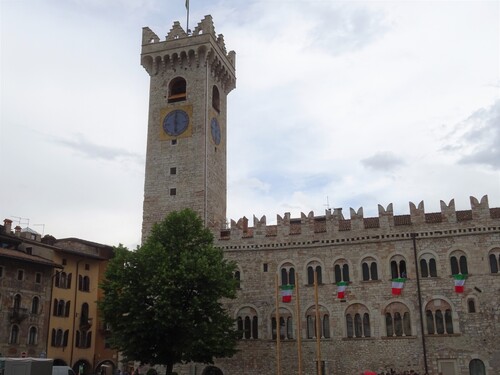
29	250
174	141
1	271
265	267
64	262
173	170
87	267
173	191
20	275
38	278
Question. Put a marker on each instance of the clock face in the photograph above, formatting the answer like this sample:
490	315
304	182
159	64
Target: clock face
175	122
215	127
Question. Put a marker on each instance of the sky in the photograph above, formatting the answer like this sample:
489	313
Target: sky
338	104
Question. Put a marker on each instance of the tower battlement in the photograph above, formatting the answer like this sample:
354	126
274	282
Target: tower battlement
181	50
333	222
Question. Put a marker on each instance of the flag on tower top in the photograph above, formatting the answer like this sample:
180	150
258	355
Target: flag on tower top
187	4
286	293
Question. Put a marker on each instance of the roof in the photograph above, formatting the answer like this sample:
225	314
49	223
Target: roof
22	256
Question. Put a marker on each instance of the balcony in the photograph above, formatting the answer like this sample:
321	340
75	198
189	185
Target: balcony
85	323
17	314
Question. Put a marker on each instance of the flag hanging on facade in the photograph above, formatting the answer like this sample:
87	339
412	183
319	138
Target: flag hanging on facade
459	282
397	285
341	286
286	293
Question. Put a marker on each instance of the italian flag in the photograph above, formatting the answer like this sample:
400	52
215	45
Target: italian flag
286	293
341	285
397	285
459	282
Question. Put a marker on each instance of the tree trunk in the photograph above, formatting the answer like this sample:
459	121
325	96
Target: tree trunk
170	367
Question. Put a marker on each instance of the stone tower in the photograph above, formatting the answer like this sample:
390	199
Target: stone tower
191	76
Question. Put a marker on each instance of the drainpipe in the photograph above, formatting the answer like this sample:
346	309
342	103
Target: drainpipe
414	240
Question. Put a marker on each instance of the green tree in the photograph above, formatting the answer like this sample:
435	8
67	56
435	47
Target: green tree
163	300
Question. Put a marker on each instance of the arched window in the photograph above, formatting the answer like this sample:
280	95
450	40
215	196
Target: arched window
86	284
476	367
428	266
65	338
397	320
369	268
61	308
215	98
286	325
439	318
17	302
471	305
398	267
14	334
458	263
341	271
32	336
248	323
35	303
67	309
358	321
237	277
494	259
59	337
287	274
324	323
311	269
177	90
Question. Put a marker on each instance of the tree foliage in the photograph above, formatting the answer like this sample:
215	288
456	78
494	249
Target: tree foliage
163	300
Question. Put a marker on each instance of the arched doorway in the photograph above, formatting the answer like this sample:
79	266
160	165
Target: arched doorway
82	367
212	370
476	367
105	367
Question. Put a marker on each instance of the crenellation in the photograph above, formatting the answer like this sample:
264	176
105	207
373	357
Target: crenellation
417	214
357	222
386	217
148	36
448	211
205	26
480	210
176	32
385	225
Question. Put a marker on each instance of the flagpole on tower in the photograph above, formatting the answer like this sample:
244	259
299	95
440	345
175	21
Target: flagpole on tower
187	17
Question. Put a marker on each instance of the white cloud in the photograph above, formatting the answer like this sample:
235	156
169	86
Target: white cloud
329	95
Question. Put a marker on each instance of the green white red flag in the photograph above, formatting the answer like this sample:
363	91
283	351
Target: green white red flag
459	282
341	287
286	293
398	285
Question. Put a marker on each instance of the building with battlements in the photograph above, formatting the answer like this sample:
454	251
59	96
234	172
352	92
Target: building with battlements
427	324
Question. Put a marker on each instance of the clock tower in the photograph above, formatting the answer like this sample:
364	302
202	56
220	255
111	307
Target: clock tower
190	78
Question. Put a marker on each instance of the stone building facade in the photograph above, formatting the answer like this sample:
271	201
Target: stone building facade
48	294
428	327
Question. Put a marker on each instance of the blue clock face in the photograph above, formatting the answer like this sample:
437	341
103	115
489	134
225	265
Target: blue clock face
215	127
175	122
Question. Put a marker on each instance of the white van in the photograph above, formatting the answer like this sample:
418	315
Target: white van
62	370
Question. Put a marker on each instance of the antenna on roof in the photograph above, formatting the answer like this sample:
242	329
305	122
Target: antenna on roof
327	205
22	220
40	225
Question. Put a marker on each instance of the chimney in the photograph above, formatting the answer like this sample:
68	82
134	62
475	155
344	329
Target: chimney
7	224
18	231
